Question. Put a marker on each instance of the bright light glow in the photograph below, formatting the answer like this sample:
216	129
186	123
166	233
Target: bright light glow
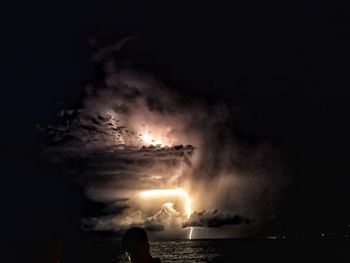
172	192
148	139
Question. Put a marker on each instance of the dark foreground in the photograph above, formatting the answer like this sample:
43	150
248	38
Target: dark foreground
224	250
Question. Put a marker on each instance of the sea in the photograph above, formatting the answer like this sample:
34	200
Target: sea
191	251
225	250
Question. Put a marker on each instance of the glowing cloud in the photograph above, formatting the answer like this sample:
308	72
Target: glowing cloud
172	192
149	140
156	139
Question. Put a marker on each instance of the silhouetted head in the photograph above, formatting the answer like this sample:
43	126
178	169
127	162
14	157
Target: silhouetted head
135	242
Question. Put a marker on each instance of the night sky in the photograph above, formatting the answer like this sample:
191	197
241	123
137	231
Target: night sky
282	68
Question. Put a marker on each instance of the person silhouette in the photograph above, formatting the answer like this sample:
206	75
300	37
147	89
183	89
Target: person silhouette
135	244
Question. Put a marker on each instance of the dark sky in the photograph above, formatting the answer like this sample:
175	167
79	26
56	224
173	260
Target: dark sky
283	67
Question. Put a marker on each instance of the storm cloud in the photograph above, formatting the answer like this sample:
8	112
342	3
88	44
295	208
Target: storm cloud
134	133
214	219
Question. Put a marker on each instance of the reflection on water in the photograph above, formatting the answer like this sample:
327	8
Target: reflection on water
182	251
185	251
107	250
101	250
231	250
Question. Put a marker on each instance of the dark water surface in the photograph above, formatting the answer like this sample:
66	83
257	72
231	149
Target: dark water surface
227	250
219	250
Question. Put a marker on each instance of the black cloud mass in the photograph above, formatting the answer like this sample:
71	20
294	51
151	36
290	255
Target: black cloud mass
214	219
